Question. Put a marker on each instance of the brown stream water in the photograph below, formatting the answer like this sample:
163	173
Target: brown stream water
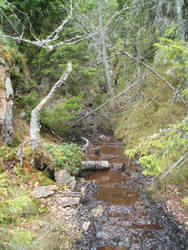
127	222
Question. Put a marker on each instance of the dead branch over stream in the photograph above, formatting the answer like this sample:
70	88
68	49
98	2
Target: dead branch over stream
111	100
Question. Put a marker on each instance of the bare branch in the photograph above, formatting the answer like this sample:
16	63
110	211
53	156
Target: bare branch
46	43
50	42
175	165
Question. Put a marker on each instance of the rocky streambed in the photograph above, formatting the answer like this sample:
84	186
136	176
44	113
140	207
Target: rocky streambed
118	215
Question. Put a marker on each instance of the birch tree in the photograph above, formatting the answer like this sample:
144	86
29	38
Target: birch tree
6	103
104	49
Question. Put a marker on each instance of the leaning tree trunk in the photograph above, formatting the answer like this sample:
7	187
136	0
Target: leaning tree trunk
35	115
104	50
6	103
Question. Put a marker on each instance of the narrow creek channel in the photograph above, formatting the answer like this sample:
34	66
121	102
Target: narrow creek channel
128	219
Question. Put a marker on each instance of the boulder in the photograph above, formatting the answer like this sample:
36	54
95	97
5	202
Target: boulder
70	201
64	178
44	191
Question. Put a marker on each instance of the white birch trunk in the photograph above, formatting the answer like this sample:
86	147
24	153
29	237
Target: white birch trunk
179	11
94	165
104	50
35	115
6	103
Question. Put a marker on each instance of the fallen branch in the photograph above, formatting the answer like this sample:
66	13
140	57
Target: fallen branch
150	69
109	101
95	165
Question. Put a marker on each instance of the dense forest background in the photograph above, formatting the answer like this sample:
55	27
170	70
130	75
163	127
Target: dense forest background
112	45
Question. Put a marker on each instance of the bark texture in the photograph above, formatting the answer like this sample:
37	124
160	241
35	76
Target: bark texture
104	50
35	115
6	103
179	11
95	165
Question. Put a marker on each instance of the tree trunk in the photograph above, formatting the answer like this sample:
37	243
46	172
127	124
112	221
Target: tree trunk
6	103
35	115
159	18
104	50
179	11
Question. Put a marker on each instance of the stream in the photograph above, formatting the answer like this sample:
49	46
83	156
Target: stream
129	220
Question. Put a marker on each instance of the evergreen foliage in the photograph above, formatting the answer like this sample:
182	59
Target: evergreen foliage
174	53
160	152
60	117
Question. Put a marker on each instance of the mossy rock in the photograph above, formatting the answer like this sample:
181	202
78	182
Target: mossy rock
43	178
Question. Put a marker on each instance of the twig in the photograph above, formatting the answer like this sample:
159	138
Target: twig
175	165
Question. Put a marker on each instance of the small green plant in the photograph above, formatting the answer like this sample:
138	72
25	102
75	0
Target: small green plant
67	156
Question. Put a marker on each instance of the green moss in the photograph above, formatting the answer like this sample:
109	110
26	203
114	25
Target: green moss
27	151
185	200
22	237
19	215
7	153
43	178
2	85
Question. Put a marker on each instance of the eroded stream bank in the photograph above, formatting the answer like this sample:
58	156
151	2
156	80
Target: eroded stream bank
121	216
